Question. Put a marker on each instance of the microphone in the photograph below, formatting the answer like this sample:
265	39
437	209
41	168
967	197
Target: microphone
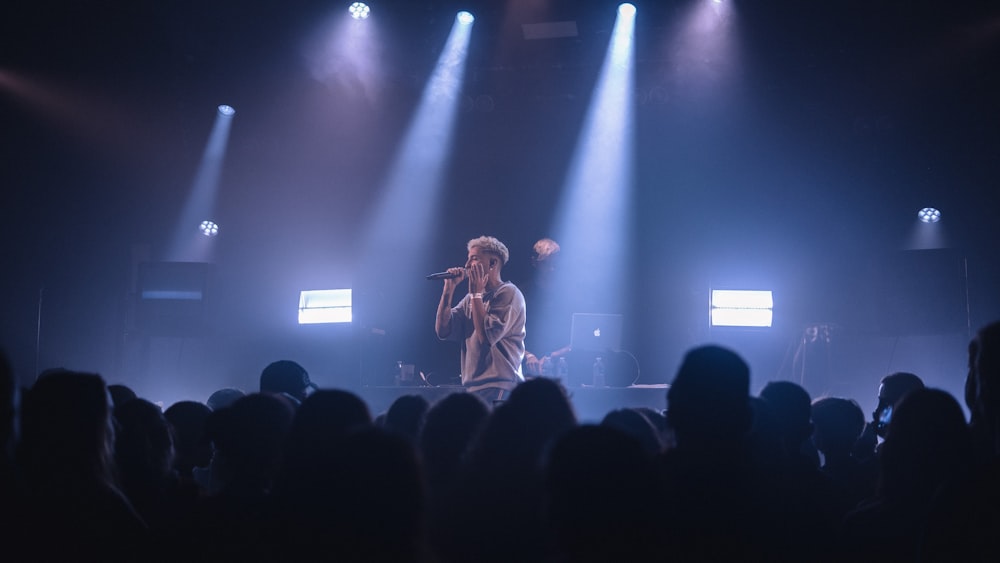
443	276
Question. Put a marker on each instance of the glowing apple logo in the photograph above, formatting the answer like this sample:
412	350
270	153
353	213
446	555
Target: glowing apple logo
597	332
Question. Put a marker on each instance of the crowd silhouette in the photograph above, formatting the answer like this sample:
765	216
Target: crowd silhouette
92	472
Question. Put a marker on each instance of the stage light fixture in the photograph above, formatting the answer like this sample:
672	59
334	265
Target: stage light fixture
626	9
929	215
465	18
323	306
741	308
227	111
359	10
209	228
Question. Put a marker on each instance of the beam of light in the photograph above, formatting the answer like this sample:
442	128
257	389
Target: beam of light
189	243
344	53
36	95
412	189
928	232
92	117
594	216
704	54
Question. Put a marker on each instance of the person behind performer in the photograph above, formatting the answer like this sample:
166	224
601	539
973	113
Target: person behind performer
546	348
488	321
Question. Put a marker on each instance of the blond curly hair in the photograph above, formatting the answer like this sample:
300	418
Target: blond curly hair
491	245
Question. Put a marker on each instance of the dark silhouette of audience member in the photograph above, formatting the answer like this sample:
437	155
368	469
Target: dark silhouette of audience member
805	504
327	414
192	447
837	423
707	478
449	429
636	425
66	460
764	438
496	516
659	421
320	423
144	455
120	394
297	475
224	397
601	500
965	518
363	502
311	497
406	416
7	394
249	437
9	495
984	374
791	405
286	377
927	448
891	389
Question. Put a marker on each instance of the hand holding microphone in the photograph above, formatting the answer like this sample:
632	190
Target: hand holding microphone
446	275
452	277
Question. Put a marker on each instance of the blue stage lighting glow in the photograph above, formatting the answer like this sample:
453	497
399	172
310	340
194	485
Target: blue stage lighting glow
227	111
929	215
465	18
359	10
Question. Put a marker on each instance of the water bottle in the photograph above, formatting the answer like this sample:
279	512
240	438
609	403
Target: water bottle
562	370
599	380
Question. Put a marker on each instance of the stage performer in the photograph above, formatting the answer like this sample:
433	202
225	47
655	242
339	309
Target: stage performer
488	321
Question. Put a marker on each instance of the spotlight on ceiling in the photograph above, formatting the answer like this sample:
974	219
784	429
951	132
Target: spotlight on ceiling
929	215
626	9
359	10
227	111
465	18
208	228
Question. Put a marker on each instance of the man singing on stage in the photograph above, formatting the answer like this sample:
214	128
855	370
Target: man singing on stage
488	321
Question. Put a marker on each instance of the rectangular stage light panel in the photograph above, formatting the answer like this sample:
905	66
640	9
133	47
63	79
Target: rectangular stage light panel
324	306
731	307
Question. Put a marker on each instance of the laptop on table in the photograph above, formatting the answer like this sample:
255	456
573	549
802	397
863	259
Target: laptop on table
594	335
596	332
